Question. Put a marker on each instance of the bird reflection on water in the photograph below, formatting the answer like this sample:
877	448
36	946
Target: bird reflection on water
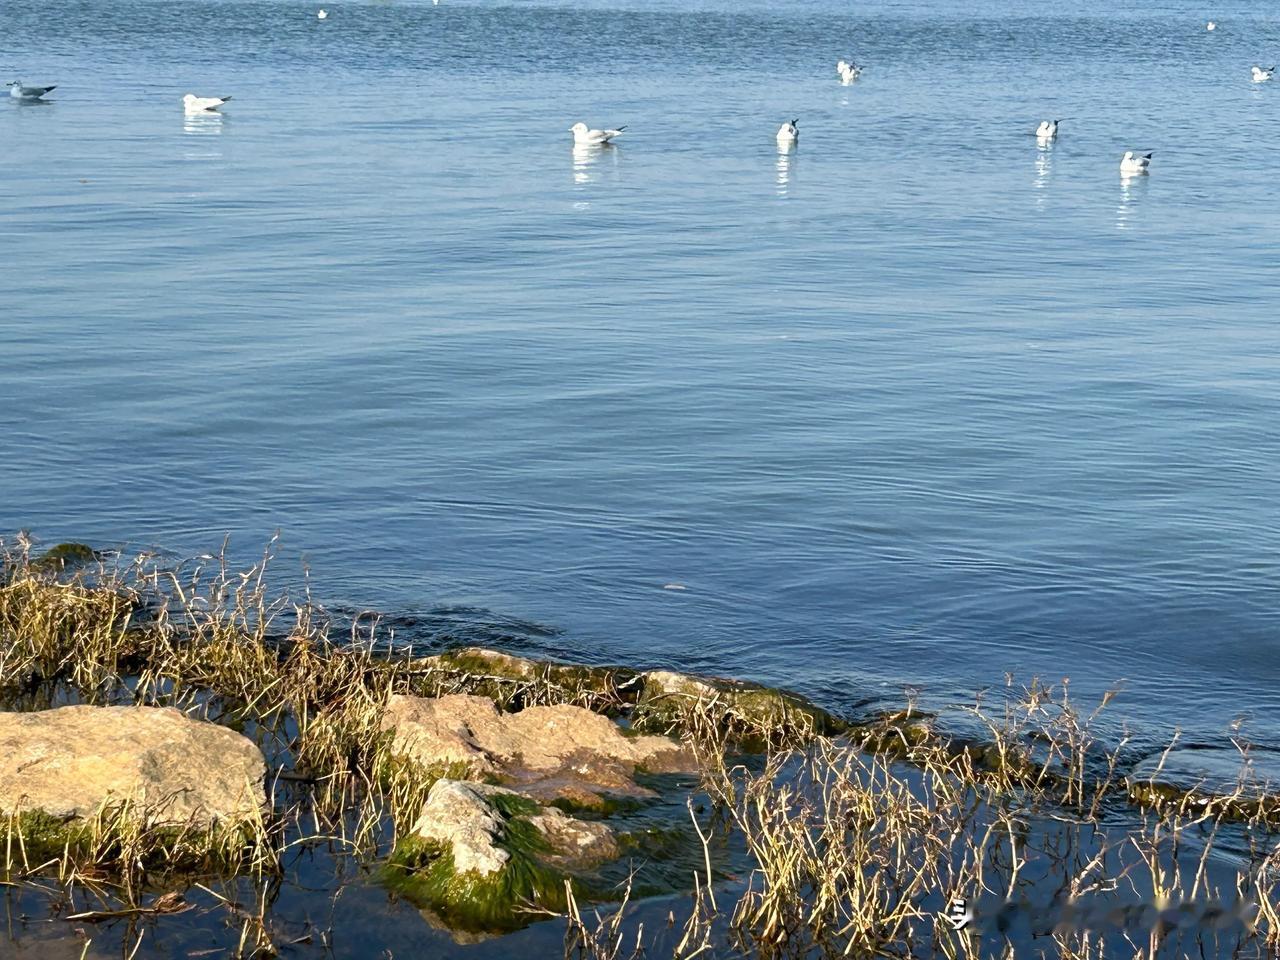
785	166
592	161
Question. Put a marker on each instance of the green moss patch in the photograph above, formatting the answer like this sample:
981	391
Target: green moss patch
424	872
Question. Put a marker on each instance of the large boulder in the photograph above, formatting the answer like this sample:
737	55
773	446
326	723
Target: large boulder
71	761
551	752
479	856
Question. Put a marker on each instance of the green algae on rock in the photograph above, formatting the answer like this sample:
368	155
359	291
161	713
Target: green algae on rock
481	857
1218	781
750	712
515	681
65	556
894	733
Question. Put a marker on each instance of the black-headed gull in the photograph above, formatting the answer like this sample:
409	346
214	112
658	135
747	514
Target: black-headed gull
193	104
1260	75
322	15
848	71
586	137
1048	129
1132	162
18	92
789	132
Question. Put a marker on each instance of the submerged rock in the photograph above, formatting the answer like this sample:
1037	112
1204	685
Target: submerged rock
479	856
66	555
894	733
506	677
748	709
1232	783
71	761
557	752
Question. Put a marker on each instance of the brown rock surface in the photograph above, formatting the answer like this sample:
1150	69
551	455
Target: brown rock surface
551	752
71	760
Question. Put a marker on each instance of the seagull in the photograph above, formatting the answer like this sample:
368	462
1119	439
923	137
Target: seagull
1260	75
193	104
1132	162
19	92
322	15
789	132
848	71
583	136
1048	129
1211	25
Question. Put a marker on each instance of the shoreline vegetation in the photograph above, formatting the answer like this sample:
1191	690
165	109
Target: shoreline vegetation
493	791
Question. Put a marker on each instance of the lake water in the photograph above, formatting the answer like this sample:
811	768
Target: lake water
917	404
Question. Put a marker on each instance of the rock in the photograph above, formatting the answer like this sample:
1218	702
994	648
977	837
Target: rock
746	709
1221	778
66	555
479	855
895	733
70	761
458	815
469	818
508	678
551	752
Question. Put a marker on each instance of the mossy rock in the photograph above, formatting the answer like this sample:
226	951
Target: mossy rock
485	859
752	714
515	681
1210	780
894	734
65	556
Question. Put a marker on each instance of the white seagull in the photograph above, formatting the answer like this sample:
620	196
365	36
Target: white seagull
847	71
584	136
1260	75
1211	25
193	104
1048	129
19	92
1132	163
323	14
789	132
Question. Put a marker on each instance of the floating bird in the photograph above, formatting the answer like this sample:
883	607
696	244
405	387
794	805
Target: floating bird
1211	25
1260	75
789	132
193	104
19	92
583	136
322	15
1047	129
1132	162
848	71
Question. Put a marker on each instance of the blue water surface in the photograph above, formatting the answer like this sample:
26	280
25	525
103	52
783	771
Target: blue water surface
916	404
